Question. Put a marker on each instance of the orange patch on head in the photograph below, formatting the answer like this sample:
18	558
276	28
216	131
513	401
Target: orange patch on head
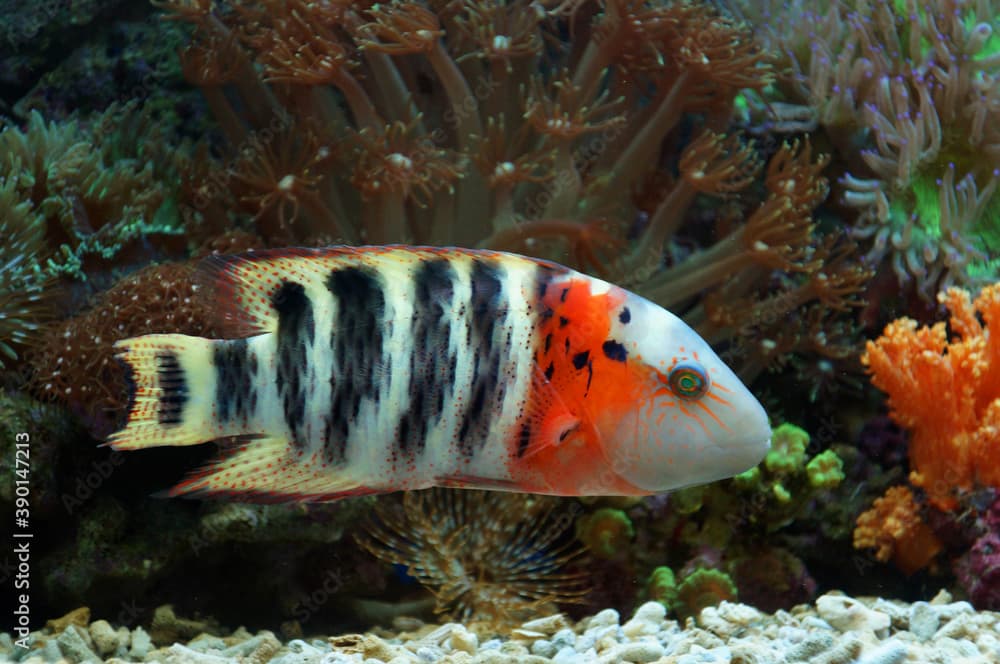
577	380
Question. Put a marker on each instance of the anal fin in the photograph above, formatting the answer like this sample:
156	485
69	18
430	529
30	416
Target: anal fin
269	470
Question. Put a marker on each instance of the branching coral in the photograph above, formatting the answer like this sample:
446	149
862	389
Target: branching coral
947	393
480	124
785	483
896	530
487	556
915	83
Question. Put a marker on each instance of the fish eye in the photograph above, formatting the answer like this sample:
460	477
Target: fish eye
688	380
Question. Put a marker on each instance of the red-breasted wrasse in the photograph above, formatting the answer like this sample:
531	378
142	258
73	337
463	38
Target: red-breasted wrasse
356	370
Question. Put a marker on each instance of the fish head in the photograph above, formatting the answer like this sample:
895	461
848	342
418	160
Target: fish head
688	419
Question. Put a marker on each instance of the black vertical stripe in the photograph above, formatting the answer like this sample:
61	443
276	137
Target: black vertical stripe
432	363
296	333
357	348
487	313
171	380
236	384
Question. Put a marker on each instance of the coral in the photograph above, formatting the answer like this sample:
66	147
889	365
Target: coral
94	191
45	426
825	470
784	484
74	359
772	578
915	85
979	572
25	293
895	528
703	588
605	532
700	587
661	586
946	392
481	124
487	556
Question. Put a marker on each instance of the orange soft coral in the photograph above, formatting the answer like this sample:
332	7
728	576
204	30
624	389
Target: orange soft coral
894	527
947	393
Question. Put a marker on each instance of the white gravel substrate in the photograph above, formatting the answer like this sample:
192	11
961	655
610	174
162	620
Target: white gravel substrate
835	630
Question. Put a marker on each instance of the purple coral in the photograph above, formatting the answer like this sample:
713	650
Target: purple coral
979	572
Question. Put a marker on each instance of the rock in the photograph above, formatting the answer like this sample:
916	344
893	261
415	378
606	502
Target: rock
640	651
141	644
635	628
567	655
652	612
79	617
739	614
603	619
104	636
547	625
124	640
563	638
544	648
463	640
890	652
75	647
847	614
924	620
178	654
206	643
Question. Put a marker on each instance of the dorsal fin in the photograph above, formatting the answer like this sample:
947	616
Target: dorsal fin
242	287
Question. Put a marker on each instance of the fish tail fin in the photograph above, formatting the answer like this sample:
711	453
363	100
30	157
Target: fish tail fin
171	384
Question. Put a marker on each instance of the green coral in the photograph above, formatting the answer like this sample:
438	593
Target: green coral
700	588
826	470
762	499
788	450
88	190
606	531
662	586
24	290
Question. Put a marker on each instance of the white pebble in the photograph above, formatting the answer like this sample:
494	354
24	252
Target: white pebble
924	620
890	652
104	636
141	644
464	640
640	651
847	614
544	648
567	655
547	625
604	618
739	614
653	612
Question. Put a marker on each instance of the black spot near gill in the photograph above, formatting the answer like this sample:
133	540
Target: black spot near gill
614	350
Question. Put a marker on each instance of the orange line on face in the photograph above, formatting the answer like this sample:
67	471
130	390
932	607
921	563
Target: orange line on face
697	419
704	407
718	399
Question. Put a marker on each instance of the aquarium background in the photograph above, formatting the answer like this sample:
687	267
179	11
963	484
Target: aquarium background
812	186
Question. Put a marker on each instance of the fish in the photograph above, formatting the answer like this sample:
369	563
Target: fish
349	371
